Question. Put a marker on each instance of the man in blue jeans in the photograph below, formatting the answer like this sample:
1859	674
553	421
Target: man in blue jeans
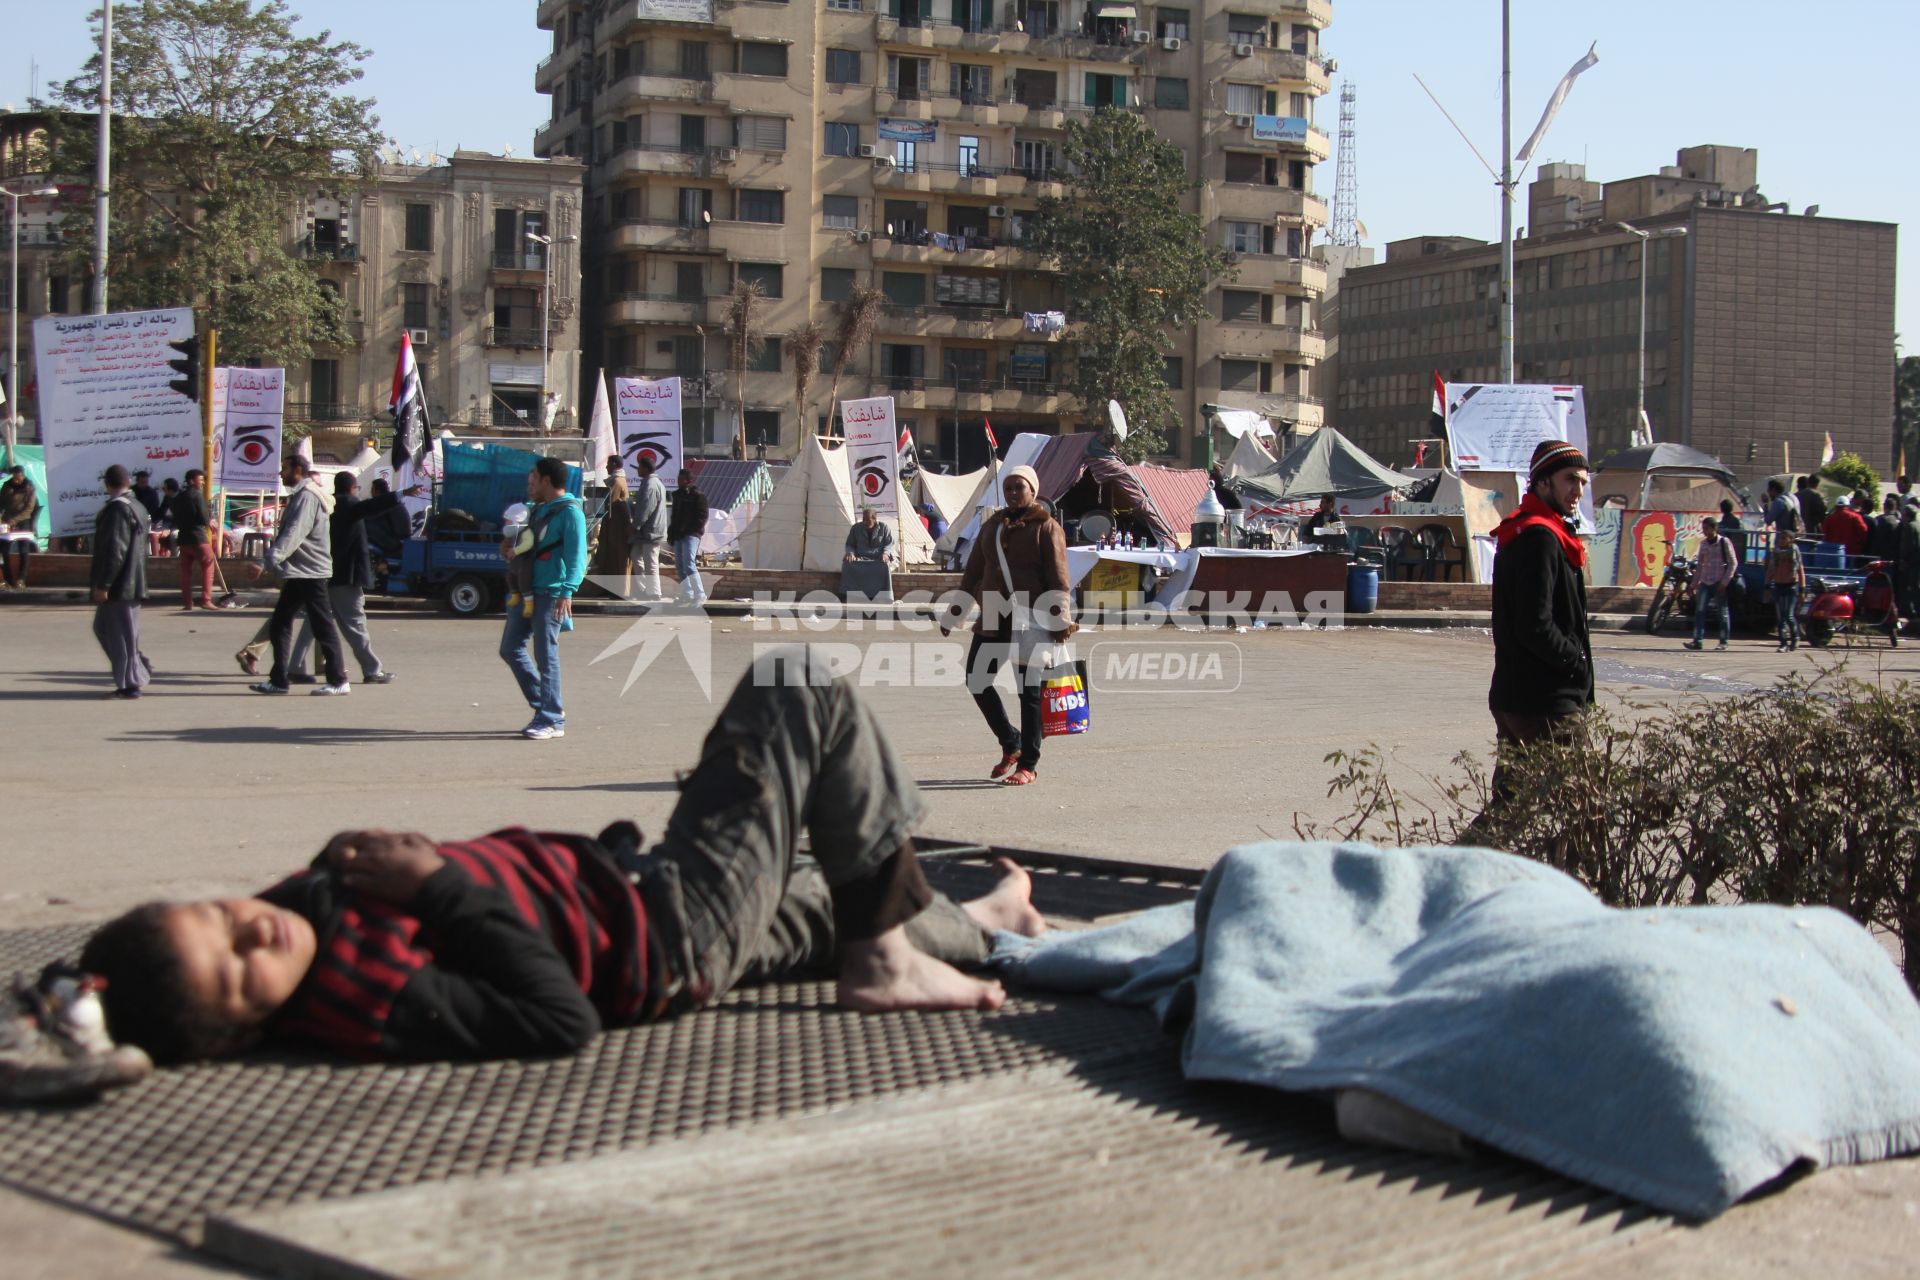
684	528
556	541
1714	567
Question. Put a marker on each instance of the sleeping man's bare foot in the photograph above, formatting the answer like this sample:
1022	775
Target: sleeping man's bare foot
1010	905
887	973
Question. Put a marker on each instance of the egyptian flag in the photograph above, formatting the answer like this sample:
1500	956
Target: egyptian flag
909	465
1439	406
993	443
409	409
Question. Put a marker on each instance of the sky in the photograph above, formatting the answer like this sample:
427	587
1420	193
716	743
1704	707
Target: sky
1823	92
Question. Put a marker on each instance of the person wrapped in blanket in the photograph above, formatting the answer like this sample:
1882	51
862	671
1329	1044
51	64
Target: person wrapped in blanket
523	943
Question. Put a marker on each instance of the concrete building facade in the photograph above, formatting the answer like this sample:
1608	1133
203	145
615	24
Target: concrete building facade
1766	330
814	147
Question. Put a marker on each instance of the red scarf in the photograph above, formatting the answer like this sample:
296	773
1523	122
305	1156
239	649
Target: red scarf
1533	511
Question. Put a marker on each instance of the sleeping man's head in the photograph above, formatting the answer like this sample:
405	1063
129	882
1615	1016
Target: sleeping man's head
190	980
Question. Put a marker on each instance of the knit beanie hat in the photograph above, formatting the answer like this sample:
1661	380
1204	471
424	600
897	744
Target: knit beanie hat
1552	456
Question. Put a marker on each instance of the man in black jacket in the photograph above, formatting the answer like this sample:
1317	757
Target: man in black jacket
1542	657
388	529
352	576
684	527
119	582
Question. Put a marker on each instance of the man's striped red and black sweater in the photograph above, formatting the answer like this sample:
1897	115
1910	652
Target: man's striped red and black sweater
523	944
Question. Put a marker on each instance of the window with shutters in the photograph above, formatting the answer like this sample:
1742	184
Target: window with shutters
909	77
970	82
762	206
1242	306
1171	23
1035	88
1246	28
693	60
904	288
767	274
836	284
1105	90
413	305
763	60
760	133
1244	167
1173	372
843	66
689	281
842	139
1245	375
1170	93
839	213
1244	237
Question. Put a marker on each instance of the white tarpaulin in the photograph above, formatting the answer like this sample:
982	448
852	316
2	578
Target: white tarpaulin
1496	426
1250	457
104	399
804	525
1023	451
1238	422
952	496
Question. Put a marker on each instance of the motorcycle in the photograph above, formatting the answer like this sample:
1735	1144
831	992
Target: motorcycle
1841	608
1676	585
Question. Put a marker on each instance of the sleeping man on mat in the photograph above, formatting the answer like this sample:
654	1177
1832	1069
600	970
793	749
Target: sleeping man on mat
524	943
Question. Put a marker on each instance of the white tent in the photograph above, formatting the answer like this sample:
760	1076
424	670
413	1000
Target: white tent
1250	457
952	496
804	524
1023	450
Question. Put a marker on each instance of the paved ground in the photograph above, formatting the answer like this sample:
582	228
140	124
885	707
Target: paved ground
202	787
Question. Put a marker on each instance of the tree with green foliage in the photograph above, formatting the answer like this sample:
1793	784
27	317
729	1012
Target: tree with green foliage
1906	409
1133	266
1851	470
224	119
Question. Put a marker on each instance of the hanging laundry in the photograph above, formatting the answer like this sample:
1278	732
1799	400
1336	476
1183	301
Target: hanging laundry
1048	322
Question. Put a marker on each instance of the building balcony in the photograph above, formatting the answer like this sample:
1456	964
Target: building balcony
500	335
550	73
531	259
1313	13
1040	116
933	33
976	180
1229	131
750	241
665	308
754	93
343	251
888	101
662	85
1001	394
1258	202
1253	341
643	158
618	17
1282	66
1265	271
325	411
549	12
967	108
950	322
1303	411
552	134
650	233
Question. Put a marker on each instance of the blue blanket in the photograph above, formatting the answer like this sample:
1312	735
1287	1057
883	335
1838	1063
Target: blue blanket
1680	1056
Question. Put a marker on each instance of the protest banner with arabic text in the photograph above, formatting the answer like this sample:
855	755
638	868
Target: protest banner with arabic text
873	455
646	416
105	399
249	407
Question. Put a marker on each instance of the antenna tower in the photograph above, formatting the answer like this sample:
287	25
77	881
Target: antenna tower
1346	182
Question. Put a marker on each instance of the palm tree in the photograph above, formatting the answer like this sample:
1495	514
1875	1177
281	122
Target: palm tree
744	343
803	345
858	314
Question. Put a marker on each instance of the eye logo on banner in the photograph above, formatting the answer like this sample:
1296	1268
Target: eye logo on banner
652	447
249	415
871	477
253	445
646	415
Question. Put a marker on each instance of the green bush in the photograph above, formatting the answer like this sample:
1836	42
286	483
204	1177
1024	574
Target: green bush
1852	470
1803	793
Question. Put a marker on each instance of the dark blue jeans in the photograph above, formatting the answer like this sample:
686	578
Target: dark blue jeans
1710	600
1786	617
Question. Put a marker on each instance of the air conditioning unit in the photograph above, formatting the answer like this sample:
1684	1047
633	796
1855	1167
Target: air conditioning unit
868	150
1143	37
882	162
1243	50
1245	122
996	211
862	237
724	154
1232	257
421	337
1170	43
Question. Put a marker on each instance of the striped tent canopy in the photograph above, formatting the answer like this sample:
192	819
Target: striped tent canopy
729	482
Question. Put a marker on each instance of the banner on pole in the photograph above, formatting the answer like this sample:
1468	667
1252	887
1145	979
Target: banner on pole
249	410
647	418
873	454
1495	426
105	399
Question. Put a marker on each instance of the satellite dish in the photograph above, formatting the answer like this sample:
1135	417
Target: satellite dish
1118	418
416	155
706	215
433	157
507	150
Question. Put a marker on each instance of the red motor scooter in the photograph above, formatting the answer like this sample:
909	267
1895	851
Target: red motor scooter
1844	608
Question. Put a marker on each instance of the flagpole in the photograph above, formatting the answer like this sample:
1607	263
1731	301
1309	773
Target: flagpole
1506	191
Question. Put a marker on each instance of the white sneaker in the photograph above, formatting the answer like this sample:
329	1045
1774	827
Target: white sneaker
333	690
542	732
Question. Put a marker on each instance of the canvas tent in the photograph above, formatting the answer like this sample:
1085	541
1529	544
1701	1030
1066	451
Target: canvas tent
952	496
1249	457
1175	491
804	524
1079	471
728	482
1663	477
1325	463
1022	451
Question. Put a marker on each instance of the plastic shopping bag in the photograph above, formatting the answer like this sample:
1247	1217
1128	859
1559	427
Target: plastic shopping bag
1064	707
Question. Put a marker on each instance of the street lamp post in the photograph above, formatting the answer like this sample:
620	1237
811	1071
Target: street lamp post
546	244
1640	424
13	311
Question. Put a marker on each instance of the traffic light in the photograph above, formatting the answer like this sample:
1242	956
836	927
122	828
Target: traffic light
188	367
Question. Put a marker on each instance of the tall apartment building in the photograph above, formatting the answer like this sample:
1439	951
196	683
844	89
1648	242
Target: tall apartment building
815	146
1765	330
438	249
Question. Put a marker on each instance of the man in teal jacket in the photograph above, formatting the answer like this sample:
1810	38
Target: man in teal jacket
556	541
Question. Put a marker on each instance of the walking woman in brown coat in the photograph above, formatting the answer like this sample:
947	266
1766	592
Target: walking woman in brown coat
1017	575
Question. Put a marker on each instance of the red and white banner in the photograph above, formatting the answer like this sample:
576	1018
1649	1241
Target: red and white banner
873	455
646	417
249	414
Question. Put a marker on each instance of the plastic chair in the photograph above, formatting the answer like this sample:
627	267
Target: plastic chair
1443	555
1400	552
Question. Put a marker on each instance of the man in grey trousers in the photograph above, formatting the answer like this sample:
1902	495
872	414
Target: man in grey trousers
119	582
352	575
649	529
302	555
